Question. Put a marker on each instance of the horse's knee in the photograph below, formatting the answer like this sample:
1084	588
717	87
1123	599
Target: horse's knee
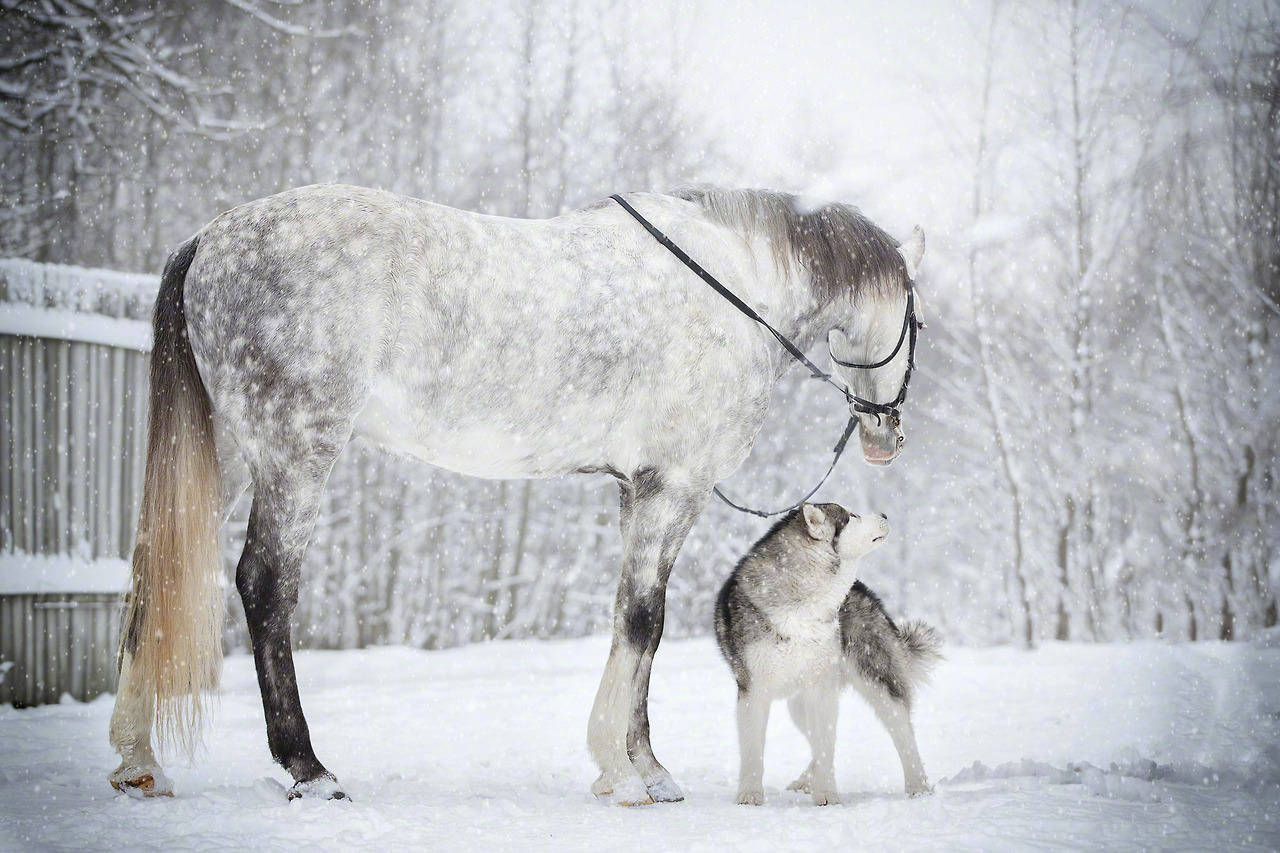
644	613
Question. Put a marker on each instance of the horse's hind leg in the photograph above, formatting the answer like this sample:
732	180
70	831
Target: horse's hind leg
130	733
134	711
656	516
286	500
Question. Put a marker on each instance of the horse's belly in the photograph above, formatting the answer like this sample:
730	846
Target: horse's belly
496	445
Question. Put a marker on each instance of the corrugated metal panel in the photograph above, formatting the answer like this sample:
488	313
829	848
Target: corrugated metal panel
72	425
58	644
72	431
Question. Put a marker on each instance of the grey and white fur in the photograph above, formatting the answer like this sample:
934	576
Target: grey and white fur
493	347
794	623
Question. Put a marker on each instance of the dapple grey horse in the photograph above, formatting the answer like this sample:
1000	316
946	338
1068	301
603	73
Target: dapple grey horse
494	347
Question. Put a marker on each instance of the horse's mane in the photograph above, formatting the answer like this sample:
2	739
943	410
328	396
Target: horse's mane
845	253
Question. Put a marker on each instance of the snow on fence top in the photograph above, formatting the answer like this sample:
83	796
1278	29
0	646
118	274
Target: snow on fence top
76	304
47	574
74	326
91	291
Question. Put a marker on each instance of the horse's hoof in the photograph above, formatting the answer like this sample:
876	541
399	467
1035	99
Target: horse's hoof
664	790
321	788
141	781
626	791
642	800
602	787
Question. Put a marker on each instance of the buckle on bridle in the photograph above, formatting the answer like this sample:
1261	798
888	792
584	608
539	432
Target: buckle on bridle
879	410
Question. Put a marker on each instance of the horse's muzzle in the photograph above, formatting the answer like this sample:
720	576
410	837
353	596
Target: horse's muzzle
882	445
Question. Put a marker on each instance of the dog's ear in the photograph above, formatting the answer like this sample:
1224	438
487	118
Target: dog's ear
815	521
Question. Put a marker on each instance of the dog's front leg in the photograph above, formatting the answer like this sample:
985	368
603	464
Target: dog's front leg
753	719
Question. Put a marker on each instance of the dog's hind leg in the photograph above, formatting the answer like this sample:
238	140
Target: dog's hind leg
894	712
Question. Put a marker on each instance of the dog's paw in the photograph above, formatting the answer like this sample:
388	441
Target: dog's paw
825	798
751	797
919	789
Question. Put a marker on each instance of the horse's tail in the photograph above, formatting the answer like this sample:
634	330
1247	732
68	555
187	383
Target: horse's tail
174	620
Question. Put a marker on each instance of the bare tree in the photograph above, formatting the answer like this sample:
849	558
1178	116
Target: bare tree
1015	574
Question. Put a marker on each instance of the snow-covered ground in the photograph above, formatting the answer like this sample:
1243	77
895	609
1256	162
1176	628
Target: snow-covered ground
483	748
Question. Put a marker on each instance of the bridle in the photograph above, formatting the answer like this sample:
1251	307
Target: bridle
910	327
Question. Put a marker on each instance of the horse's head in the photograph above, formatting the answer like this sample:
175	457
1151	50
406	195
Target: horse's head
874	354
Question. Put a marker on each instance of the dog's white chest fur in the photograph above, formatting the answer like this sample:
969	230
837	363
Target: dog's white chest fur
805	650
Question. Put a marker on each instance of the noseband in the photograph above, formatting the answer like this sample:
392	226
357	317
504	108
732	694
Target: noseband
909	325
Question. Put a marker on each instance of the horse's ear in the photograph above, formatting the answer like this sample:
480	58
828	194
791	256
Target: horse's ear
912	251
815	520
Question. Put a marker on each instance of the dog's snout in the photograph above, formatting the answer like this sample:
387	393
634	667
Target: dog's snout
902	439
885	517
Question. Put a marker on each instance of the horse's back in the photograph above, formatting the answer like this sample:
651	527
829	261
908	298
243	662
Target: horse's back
491	346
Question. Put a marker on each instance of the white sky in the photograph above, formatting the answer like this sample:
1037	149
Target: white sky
866	84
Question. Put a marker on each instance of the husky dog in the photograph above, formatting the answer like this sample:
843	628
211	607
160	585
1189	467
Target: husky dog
793	623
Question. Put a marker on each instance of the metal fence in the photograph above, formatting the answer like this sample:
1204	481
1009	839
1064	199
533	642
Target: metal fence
52	645
73	413
402	553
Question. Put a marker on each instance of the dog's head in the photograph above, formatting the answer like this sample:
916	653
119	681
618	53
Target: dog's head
850	536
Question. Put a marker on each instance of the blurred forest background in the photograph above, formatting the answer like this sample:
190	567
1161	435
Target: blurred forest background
1092	439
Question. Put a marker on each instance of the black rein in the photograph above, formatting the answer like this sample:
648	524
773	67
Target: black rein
909	328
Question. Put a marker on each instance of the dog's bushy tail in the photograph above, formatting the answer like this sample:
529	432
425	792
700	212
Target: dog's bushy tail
923	645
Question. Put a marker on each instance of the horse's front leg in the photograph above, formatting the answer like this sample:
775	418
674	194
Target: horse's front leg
657	512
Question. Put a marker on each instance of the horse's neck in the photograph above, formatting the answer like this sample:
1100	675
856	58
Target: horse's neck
801	316
806	318
785	298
